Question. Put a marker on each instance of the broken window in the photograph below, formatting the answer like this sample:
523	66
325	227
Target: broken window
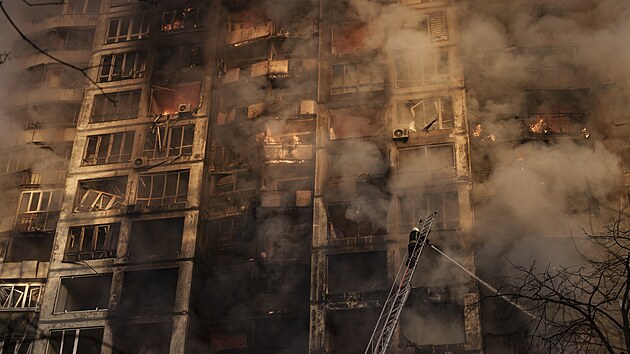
156	238
76	341
182	98
173	59
427	114
149	291
186	19
101	194
555	111
358	218
169	189
349	37
20	295
84	293
446	320
235	181
32	247
38	210
355	122
413	207
154	338
168	141
348	331
82	6
127	29
124	106
421	70
18	343
108	148
432	158
357	272
120	66
357	77
91	242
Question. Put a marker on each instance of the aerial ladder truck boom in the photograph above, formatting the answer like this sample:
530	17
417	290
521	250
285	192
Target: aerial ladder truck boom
401	288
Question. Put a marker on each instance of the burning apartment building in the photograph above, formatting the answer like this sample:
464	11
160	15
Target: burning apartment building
239	176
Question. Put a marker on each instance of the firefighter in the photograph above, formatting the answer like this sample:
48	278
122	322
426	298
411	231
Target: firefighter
413	241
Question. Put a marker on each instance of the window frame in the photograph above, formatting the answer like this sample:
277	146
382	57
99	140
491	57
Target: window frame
426	168
405	75
110	242
25	296
376	82
104	101
178	201
125	148
156	153
122	66
196	20
440	109
143	29
421	203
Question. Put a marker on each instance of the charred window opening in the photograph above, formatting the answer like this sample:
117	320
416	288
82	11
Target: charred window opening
350	37
228	336
125	106
413	207
156	238
358	218
357	272
422	69
108	148
283	278
282	333
38	210
182	98
223	157
167	189
37	247
231	232
20	295
82	6
168	141
281	238
355	158
357	77
81	340
149	291
101	194
85	293
186	19
427	114
120	66
561	58
236	181
355	122
424	322
154	338
229	293
180	58
127	29
92	242
433	158
348	331
556	111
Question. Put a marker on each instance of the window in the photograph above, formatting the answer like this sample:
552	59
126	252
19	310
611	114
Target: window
20	295
101	194
426	159
92	242
30	247
413	207
446	318
82	6
435	25
115	106
172	59
127	29
429	114
38	210
163	189
357	77
79	341
83	293
355	122
349	37
154	338
186	19
357	272
122	2
149	290
182	98
65	39
235	181
357	324
120	66
156	238
108	148
421	70
230	232
164	141
358	218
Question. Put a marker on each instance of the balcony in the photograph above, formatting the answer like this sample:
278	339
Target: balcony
230	204
58	20
47	94
240	36
287	153
67	55
43	221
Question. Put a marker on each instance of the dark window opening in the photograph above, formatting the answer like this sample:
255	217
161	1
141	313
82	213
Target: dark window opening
124	106
149	291
154	338
349	331
444	319
37	247
92	242
79	341
229	293
101	194
281	333
108	148
89	293
355	122
357	272
236	181
167	189
182	98
173	59
358	218
156	238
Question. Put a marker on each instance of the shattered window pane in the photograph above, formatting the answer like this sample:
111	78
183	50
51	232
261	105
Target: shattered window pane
108	148
163	142
102	194
415	206
130	65
92	242
20	295
426	159
115	106
169	189
427	114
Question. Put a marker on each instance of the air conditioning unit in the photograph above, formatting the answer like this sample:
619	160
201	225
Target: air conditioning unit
140	162
400	134
183	108
133	209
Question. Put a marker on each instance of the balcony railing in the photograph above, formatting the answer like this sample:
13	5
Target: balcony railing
36	222
288	152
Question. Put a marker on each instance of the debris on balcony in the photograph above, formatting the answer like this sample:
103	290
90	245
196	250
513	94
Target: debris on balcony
103	194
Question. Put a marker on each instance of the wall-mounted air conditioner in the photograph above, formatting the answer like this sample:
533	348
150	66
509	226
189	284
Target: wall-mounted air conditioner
400	134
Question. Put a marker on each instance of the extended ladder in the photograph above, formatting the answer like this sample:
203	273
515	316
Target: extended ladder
397	297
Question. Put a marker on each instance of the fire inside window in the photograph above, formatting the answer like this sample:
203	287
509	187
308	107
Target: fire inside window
127	29
168	189
92	242
427	114
122	66
164	141
177	99
108	148
38	210
187	19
